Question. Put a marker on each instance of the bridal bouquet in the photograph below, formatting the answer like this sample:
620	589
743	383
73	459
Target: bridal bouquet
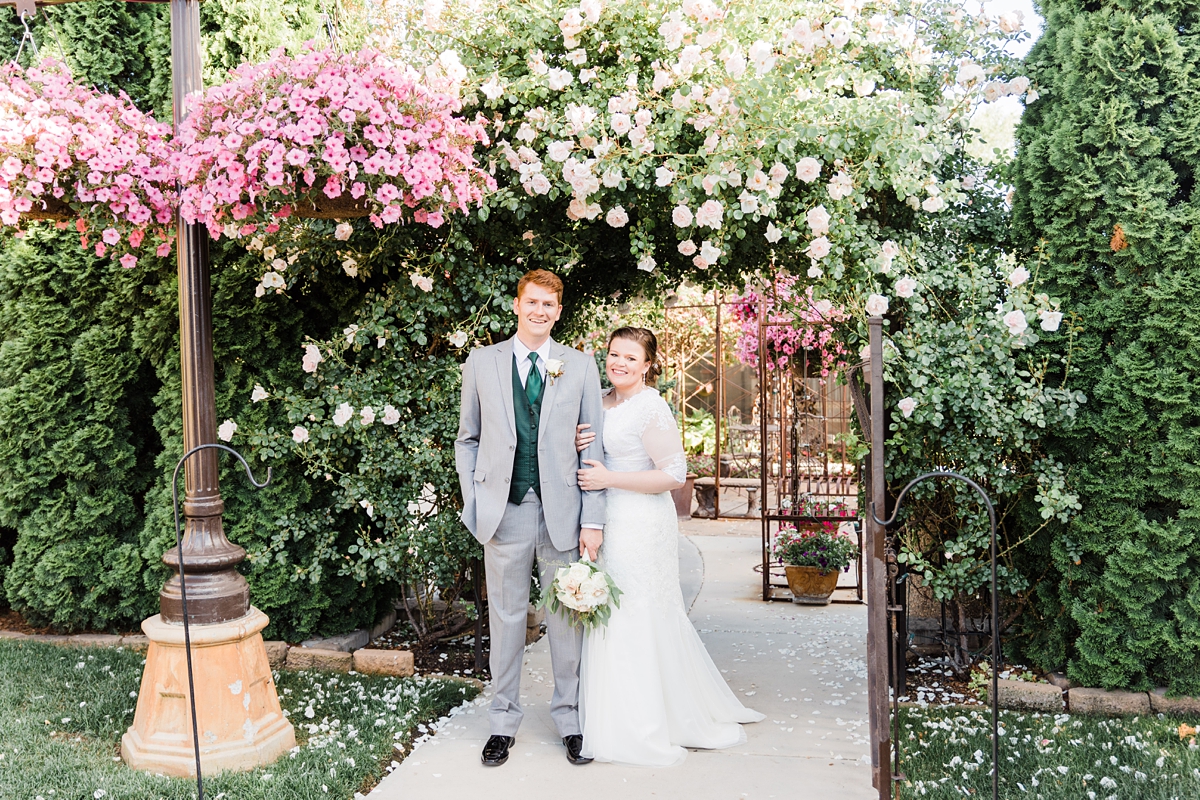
588	594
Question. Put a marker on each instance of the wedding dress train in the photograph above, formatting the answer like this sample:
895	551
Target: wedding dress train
648	688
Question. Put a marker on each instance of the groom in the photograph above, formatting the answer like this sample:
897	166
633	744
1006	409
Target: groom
517	463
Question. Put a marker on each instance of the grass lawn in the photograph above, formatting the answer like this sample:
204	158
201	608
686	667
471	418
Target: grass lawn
946	752
63	711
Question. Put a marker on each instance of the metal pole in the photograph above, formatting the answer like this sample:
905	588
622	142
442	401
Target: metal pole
877	623
720	372
764	451
216	591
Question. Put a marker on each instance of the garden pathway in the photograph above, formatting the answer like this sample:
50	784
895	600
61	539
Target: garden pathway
803	667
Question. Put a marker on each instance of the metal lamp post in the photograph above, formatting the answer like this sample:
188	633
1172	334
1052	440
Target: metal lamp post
240	723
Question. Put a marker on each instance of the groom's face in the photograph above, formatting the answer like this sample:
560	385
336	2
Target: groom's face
537	310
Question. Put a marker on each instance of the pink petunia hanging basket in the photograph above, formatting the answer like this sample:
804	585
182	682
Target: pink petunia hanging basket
326	135
70	152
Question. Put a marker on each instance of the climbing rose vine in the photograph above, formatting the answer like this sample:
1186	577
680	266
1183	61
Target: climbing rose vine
72	151
292	133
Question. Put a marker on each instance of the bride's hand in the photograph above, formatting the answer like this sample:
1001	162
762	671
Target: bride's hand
595	478
583	437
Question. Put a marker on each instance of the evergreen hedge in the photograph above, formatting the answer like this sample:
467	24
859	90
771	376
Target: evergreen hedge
1106	187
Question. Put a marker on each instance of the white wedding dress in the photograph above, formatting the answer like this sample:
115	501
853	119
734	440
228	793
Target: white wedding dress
648	688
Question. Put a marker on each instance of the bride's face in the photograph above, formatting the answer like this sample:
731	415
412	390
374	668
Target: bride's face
626	365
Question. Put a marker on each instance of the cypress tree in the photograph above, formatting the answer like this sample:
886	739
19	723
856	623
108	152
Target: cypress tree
1106	186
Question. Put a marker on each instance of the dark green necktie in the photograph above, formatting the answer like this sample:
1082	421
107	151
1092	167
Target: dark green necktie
533	384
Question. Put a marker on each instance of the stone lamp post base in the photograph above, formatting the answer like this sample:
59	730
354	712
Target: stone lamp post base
241	724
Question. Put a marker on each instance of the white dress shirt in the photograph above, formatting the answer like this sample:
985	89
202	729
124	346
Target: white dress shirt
521	354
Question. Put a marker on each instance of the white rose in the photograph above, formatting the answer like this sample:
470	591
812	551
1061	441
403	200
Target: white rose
1050	320
647	263
823	307
969	73
818	220
682	216
367	415
559	79
709	214
343	414
808	169
1017	277
591	10
933	204
877	305
350	267
299	434
312	357
814	271
421	282
342	231
663	176
258	394
905	287
595	590
620	123
493	89
612	177
540	184
390	415
709	252
1015	322
818	248
687	247
226	431
457	339
773	233
560	151
617	217
906	406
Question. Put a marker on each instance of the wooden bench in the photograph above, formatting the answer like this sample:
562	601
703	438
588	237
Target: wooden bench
706	495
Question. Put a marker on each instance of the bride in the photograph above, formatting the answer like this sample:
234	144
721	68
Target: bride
648	688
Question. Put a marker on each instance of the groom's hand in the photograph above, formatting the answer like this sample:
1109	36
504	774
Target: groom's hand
590	540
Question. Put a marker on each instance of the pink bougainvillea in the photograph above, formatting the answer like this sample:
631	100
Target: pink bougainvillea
95	156
795	323
325	124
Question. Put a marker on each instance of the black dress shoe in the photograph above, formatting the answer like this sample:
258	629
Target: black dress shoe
495	752
574	745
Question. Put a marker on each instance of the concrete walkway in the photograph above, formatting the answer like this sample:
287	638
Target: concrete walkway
803	667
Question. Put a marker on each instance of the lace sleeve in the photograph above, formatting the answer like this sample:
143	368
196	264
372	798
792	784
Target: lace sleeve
661	439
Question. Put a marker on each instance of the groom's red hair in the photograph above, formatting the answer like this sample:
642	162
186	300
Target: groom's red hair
543	278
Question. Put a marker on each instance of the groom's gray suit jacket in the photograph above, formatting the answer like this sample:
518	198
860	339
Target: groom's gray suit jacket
487	440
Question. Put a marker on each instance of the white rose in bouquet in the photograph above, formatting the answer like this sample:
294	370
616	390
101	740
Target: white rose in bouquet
586	593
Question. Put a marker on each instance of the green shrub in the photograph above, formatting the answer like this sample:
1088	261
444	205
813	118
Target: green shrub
1106	187
74	434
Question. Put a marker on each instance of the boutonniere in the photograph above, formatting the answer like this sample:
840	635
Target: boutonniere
554	369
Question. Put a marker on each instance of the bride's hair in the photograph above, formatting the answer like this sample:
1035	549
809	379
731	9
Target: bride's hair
649	343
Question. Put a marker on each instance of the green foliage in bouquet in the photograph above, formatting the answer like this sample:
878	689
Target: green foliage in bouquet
1106	188
569	593
817	545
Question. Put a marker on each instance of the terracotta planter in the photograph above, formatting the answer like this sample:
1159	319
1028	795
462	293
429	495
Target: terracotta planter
810	586
316	205
683	497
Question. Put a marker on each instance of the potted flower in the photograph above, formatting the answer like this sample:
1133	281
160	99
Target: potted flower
327	135
70	152
813	554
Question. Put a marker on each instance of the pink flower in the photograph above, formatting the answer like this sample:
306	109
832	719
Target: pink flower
129	261
111	236
709	214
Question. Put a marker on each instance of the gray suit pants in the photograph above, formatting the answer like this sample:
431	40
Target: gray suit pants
508	558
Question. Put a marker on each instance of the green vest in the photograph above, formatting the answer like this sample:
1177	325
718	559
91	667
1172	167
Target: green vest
525	463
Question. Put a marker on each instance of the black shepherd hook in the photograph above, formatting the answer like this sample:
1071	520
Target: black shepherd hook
187	637
994	695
